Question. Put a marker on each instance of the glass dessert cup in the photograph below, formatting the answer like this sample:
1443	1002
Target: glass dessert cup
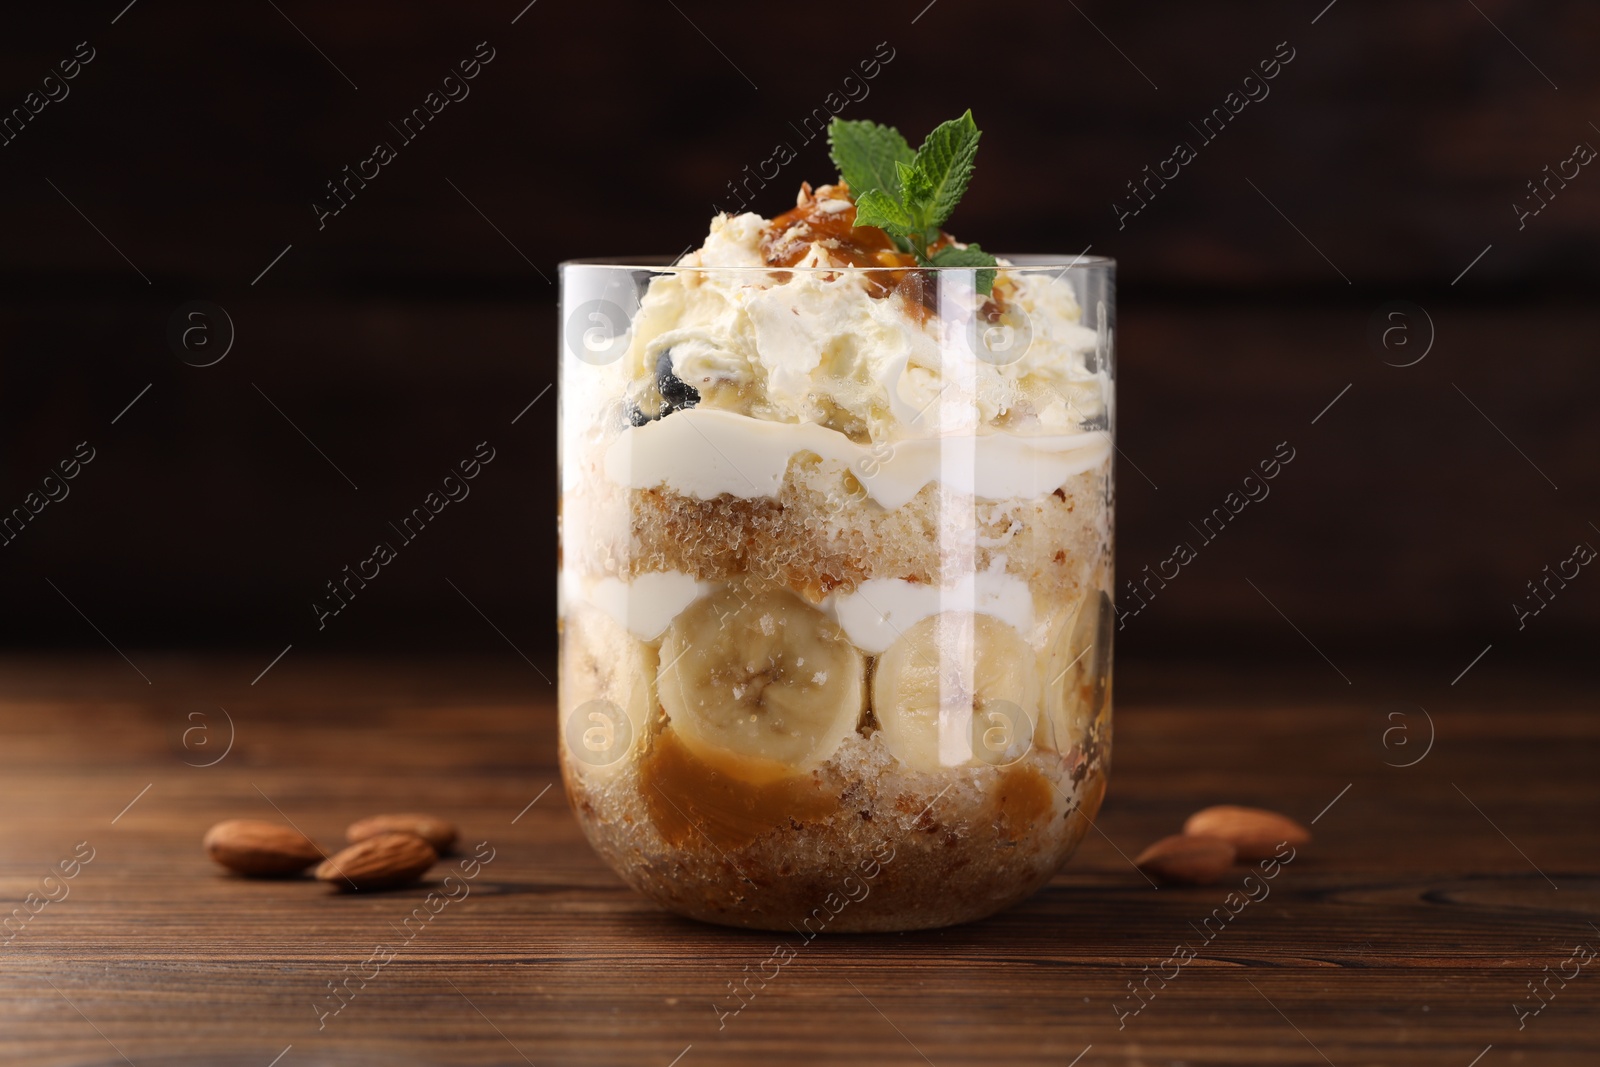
835	583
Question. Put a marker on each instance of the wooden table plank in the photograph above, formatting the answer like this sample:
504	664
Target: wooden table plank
1402	935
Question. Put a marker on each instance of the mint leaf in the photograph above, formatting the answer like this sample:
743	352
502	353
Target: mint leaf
866	155
909	194
970	256
946	160
915	189
877	208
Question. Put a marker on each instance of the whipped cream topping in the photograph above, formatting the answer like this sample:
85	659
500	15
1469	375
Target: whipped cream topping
810	345
704	453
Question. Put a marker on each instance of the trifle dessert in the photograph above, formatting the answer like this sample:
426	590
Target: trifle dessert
836	529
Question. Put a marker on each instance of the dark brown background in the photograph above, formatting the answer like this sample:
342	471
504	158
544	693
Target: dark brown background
408	329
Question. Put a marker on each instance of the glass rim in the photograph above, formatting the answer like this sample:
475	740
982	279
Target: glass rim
1018	261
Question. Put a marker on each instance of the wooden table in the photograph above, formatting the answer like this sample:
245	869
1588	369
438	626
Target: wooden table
1432	895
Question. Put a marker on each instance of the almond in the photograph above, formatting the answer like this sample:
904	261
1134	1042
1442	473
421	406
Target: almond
260	849
383	860
1187	859
1255	832
435	831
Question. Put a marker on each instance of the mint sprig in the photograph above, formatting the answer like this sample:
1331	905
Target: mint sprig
909	195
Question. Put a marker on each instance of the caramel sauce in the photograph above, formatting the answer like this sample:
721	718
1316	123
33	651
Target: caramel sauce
1022	800
688	797
794	232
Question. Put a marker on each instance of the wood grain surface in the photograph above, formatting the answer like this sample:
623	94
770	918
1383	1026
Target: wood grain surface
1404	934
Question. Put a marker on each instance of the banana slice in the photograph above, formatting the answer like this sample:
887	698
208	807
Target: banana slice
956	688
763	686
607	690
1077	671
